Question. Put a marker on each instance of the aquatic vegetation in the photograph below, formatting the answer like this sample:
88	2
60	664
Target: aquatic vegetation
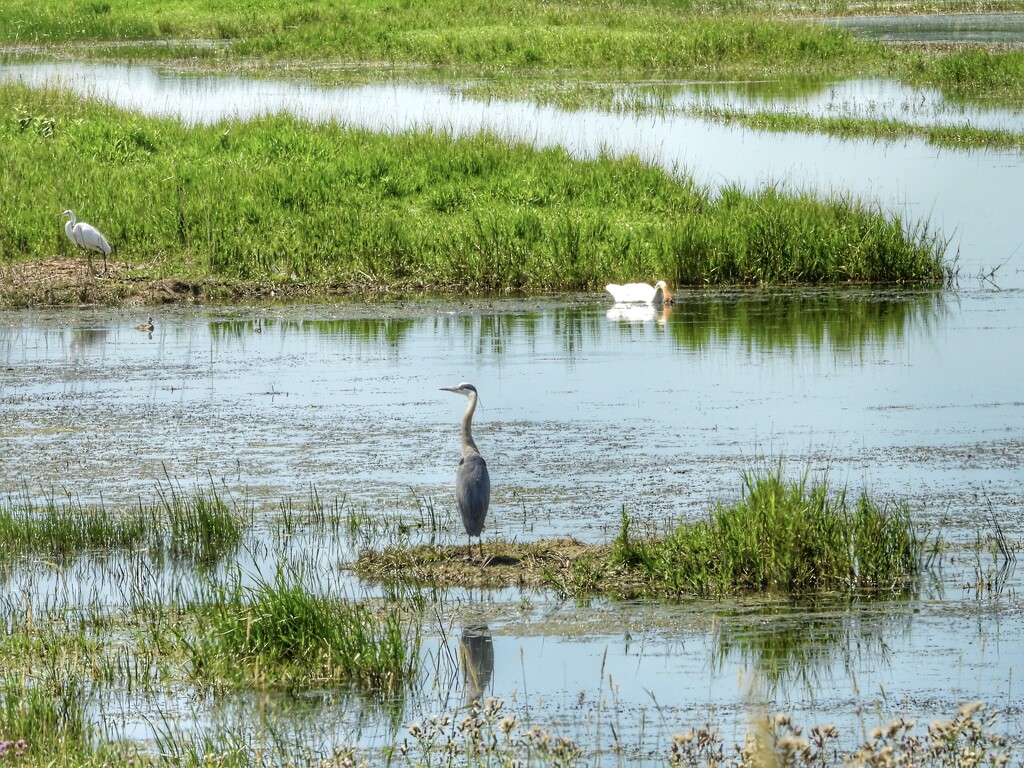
782	536
280	634
64	528
203	526
198	526
285	202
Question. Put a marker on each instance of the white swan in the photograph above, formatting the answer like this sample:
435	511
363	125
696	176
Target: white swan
641	293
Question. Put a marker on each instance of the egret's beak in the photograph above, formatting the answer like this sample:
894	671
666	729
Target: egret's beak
669	298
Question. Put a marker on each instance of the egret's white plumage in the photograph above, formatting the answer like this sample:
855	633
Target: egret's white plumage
86	236
641	293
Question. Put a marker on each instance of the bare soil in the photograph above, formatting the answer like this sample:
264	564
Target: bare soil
68	281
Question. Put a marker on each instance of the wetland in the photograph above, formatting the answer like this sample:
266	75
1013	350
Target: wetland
188	512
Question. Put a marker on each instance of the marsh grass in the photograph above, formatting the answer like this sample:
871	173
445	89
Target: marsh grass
64	528
281	201
200	526
280	634
783	536
203	526
954	136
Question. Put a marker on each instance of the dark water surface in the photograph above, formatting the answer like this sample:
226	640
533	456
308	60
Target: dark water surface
586	407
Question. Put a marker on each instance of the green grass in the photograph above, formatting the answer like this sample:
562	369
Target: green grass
782	537
281	200
199	526
280	634
62	529
719	39
616	36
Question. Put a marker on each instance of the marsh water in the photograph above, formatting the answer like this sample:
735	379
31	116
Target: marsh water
586	408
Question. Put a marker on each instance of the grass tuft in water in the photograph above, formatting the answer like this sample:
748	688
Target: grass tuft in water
200	526
42	720
203	526
782	536
279	634
62	529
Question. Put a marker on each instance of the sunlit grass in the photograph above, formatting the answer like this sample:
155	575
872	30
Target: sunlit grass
200	525
280	634
282	201
783	536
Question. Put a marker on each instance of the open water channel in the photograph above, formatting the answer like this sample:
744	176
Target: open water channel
586	407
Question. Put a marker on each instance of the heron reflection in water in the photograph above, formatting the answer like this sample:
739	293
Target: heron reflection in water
476	661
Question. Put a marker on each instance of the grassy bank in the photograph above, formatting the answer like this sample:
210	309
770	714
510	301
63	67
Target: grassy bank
280	200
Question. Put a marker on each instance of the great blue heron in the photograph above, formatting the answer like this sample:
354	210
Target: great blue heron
472	482
86	236
641	293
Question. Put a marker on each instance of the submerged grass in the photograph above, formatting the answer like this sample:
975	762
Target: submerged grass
282	201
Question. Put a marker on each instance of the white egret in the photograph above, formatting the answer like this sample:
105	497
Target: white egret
641	293
86	236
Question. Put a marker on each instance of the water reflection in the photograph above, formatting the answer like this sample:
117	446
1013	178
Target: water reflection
841	321
476	661
804	648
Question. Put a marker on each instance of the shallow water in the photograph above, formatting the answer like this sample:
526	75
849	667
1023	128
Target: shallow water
586	407
1000	28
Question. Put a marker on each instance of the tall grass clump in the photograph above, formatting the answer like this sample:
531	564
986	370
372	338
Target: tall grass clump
793	537
43	721
279	634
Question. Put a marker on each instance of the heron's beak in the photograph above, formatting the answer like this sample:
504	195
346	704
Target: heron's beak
450	389
669	298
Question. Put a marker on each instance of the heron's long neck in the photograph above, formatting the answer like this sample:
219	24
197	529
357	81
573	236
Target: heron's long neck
468	446
69	225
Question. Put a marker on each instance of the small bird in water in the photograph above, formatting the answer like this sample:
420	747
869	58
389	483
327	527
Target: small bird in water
146	327
472	482
641	293
258	327
88	237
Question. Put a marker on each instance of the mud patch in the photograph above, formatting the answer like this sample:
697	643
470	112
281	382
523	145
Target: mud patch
535	565
67	281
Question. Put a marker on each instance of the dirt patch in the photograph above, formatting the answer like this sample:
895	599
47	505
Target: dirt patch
551	563
68	281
